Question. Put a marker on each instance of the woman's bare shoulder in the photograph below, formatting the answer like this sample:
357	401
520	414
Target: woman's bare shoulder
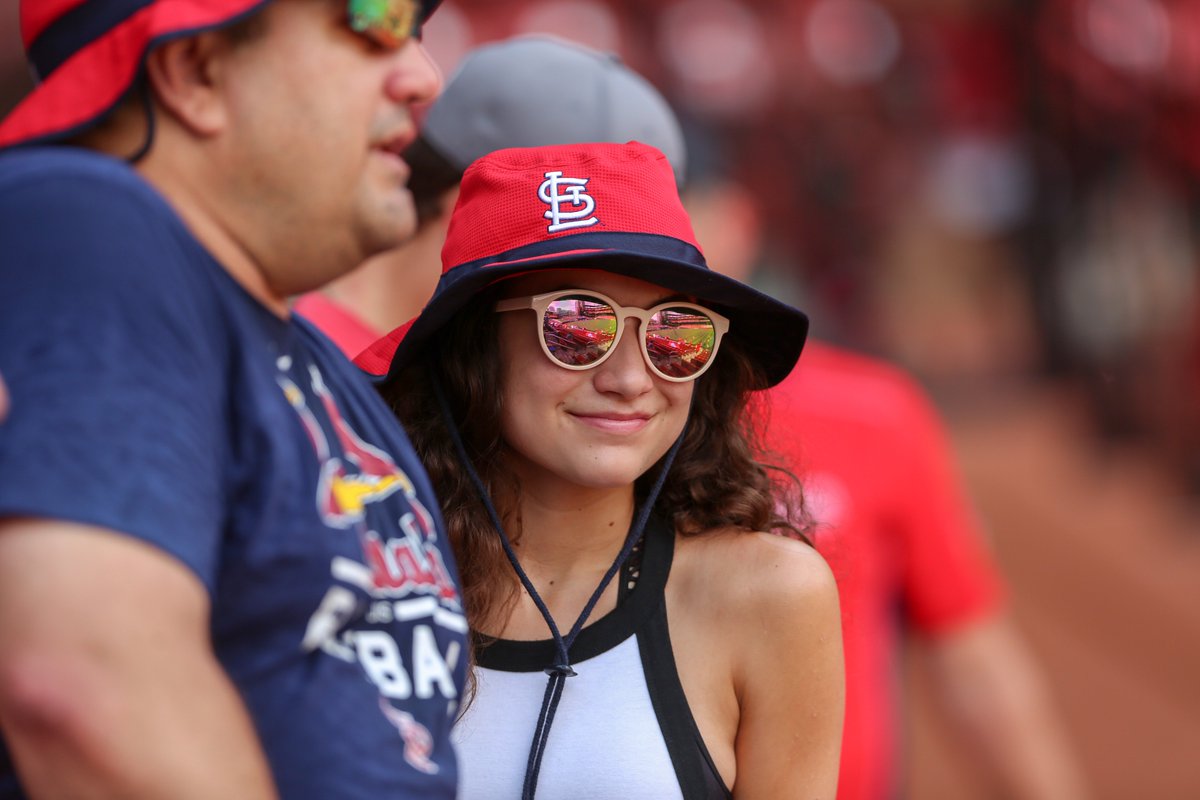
755	572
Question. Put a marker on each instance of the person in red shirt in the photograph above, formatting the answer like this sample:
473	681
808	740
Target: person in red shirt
895	527
911	560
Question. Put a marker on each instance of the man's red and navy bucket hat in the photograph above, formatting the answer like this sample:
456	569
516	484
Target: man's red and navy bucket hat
86	54
611	207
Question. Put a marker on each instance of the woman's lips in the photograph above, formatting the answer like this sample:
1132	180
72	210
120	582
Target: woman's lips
614	423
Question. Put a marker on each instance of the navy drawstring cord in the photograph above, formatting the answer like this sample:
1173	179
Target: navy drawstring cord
561	669
147	97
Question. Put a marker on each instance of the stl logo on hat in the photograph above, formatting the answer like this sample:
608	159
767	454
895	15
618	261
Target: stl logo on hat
561	219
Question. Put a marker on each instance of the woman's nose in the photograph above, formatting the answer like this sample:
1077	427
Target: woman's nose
625	372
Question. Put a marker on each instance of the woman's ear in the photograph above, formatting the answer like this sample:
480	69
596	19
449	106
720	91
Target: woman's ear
185	76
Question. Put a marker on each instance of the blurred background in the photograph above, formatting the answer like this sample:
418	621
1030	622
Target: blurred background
1002	197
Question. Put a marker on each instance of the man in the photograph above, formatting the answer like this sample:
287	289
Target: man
884	547
222	570
498	97
912	567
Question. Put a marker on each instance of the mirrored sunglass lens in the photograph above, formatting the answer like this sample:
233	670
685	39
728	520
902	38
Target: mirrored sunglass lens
680	341
388	22
579	329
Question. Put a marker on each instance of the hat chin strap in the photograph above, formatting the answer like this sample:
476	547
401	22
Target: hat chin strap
561	669
147	97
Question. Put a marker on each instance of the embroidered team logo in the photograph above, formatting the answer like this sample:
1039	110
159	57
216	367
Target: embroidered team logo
360	475
557	191
355	475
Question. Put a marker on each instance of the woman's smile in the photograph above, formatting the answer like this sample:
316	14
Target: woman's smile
613	421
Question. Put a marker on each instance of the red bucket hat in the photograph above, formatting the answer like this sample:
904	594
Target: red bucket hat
612	207
85	55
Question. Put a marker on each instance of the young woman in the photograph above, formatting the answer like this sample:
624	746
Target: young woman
646	623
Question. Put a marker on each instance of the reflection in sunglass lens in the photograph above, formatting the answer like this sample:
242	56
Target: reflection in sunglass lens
680	341
389	23
579	329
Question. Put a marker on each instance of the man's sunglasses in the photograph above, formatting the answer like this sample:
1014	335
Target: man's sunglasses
388	23
579	329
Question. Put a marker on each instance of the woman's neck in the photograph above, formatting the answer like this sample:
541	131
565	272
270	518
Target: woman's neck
564	532
565	547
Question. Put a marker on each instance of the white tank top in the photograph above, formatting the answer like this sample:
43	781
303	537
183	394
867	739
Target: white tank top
622	730
605	742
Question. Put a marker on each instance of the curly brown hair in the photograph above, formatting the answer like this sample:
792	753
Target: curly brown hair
716	480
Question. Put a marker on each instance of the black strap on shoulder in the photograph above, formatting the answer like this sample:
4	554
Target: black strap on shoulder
694	767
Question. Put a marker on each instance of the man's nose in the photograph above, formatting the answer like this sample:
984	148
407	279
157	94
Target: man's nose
414	78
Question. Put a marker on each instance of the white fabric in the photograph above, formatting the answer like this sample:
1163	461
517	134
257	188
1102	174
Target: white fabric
605	743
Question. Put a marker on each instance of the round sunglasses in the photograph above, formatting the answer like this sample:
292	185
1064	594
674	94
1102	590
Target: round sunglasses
579	329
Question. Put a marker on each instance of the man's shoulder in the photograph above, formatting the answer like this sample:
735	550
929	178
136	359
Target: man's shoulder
49	191
67	204
26	167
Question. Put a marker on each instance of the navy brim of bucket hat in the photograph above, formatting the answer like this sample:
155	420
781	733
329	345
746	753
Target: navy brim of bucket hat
86	56
641	231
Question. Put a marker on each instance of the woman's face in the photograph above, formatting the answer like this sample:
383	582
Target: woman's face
599	428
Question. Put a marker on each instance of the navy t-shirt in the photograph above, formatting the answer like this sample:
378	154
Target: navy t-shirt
153	396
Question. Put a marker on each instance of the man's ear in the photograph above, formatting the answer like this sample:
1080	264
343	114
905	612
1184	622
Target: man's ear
186	77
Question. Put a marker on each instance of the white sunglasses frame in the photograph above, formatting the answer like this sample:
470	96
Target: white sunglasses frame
541	302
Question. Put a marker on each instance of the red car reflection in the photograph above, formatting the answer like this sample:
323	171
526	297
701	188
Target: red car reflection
577	345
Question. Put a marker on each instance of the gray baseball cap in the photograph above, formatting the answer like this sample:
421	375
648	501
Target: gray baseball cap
532	91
